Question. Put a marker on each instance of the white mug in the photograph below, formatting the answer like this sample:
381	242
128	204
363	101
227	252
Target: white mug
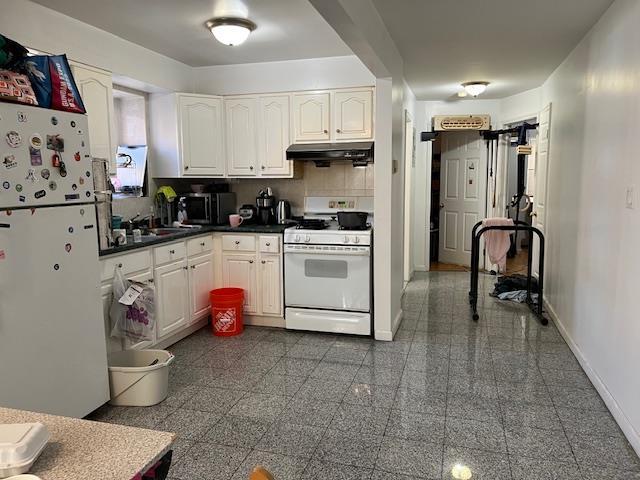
235	220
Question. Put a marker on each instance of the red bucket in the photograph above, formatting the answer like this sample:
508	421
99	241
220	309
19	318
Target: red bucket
226	311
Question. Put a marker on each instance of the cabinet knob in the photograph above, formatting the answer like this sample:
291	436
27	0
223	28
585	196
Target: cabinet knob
202	244
263	167
119	265
250	167
172	252
193	267
250	261
326	131
150	280
186	167
268	244
237	242
263	262
185	268
337	130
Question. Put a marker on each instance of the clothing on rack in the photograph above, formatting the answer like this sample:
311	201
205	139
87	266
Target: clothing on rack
518	296
497	241
513	283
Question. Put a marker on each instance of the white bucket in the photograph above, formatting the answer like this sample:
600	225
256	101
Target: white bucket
134	381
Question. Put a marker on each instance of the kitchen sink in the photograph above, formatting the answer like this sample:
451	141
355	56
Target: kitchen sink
165	231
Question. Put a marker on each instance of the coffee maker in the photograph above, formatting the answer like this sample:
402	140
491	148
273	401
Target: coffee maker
266	203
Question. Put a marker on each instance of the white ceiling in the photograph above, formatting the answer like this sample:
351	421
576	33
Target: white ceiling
514	44
287	29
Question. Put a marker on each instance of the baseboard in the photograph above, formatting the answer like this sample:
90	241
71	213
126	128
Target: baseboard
264	321
421	268
387	335
625	425
175	338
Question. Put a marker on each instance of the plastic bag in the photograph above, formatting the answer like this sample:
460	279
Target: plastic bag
53	83
135	321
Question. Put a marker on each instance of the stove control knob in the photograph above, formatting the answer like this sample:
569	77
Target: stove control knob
296	238
346	239
356	240
307	239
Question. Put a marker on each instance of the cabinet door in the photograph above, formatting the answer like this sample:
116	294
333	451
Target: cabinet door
275	136
201	135
240	271
311	117
270	281
241	136
200	284
96	90
353	114
172	295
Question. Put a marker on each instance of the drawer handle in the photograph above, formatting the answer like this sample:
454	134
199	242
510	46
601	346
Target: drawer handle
202	244
150	280
185	268
119	265
237	242
193	267
186	167
172	252
268	244
250	261
264	261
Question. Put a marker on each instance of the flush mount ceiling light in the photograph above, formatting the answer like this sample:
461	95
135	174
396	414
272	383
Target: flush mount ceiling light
475	88
229	30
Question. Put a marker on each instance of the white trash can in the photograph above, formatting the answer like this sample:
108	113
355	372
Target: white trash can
139	378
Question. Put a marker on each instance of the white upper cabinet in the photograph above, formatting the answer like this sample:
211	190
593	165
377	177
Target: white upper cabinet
201	135
241	138
274	135
96	90
353	114
311	117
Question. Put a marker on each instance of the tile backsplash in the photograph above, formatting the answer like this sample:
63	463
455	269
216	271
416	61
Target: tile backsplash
340	179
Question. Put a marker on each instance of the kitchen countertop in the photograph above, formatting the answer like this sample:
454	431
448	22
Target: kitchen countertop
83	449
192	232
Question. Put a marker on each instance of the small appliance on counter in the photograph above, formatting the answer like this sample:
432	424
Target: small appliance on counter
249	213
266	202
205	208
283	212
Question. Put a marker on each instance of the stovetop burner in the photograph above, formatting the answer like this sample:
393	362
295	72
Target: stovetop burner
312	224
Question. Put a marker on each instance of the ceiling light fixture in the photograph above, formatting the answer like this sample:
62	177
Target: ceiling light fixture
229	30
475	88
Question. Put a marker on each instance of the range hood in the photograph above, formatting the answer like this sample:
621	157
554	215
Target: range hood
360	153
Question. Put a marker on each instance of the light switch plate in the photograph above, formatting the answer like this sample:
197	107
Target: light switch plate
630	197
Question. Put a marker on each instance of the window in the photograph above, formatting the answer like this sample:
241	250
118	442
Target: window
130	107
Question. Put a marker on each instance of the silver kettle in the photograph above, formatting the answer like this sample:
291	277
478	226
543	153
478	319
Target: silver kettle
283	211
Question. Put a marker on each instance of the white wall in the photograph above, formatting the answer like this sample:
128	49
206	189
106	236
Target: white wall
46	30
594	256
307	74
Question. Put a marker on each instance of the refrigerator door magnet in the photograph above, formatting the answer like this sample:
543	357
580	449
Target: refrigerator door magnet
9	162
36	141
13	138
45	173
36	156
31	176
55	142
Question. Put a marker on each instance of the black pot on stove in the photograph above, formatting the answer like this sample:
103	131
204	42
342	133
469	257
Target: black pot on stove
353	220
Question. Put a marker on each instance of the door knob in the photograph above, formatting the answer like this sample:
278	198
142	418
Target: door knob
202	244
533	214
186	167
442	205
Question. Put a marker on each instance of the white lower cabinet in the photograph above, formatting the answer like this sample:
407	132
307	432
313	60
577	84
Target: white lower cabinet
270	284
200	284
239	270
172	297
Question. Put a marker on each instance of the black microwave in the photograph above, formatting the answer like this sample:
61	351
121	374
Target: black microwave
205	208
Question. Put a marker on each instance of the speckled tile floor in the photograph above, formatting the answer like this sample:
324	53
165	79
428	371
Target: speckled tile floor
447	399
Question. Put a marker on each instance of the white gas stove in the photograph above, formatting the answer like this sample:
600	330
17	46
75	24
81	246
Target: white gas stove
328	271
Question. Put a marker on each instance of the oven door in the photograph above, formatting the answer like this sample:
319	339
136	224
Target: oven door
327	277
198	208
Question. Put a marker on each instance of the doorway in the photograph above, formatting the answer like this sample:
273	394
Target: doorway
458	197
409	165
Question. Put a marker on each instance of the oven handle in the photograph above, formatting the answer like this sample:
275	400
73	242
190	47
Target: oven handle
342	253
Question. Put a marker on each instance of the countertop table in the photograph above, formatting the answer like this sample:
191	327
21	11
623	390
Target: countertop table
82	449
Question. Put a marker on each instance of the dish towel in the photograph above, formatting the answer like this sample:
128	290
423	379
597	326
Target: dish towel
497	242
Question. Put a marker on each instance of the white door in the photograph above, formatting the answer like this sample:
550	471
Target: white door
462	194
201	135
241	136
96	90
172	295
311	117
353	114
275	135
541	181
200	284
270	281
332	279
409	165
240	271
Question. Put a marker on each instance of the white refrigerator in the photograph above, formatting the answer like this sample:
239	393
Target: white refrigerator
53	355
